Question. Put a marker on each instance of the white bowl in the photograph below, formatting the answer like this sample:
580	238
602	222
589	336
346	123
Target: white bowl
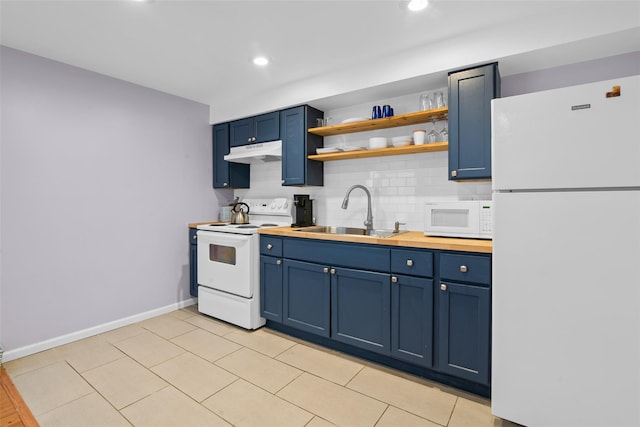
401	138
401	143
377	142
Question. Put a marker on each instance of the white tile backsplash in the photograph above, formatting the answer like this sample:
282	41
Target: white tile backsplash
399	185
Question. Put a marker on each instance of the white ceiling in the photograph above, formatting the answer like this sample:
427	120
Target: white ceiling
327	53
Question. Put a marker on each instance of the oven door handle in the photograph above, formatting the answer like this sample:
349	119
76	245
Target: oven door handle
207	237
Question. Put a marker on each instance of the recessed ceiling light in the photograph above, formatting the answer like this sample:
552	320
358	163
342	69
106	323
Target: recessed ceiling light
416	5
261	60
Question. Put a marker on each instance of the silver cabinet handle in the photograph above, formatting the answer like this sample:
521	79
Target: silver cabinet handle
279	261
194	237
333	271
463	269
325	270
443	287
454	173
409	263
394	279
226	184
269	246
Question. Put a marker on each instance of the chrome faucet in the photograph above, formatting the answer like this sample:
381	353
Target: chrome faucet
369	222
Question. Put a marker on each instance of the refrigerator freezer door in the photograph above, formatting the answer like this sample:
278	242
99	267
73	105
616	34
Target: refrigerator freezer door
572	137
566	308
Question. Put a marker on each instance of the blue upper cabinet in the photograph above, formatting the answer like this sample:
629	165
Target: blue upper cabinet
470	95
297	144
252	130
226	174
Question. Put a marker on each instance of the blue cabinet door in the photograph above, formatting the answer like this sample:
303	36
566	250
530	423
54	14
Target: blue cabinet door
306	302
271	288
226	174
252	130
412	319
360	309
297	144
193	262
267	127
470	95
241	132
464	325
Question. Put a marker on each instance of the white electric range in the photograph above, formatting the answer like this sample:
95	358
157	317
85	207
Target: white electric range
229	263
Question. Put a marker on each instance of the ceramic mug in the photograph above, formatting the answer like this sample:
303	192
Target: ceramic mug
418	136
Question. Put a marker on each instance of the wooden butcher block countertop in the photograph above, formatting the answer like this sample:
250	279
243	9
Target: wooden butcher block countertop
409	239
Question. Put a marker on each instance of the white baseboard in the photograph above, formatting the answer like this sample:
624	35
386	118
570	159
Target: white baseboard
95	330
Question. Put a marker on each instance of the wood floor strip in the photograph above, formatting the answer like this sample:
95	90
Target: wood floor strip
21	415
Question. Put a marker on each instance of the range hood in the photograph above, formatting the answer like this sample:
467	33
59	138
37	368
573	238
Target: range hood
256	153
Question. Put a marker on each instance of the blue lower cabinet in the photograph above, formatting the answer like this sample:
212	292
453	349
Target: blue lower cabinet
360	304
464	325
271	288
412	319
193	262
306	296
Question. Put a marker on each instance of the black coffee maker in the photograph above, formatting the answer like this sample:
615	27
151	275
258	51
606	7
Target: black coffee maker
302	210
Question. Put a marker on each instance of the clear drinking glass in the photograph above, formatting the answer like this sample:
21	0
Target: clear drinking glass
443	135
439	100
426	102
432	135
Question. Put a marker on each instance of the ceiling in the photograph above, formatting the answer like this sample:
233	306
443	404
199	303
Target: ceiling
328	53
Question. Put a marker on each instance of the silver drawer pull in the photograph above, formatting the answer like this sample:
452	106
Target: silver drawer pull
279	261
333	271
463	269
269	246
394	279
409	263
443	287
325	270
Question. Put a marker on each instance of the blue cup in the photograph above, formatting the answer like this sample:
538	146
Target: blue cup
376	112
387	111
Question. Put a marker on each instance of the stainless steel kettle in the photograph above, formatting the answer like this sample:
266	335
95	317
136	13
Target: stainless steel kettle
238	216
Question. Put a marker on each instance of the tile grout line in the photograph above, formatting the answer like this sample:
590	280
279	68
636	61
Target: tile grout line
452	410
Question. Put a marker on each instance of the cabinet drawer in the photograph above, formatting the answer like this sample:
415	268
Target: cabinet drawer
338	254
414	263
271	246
466	268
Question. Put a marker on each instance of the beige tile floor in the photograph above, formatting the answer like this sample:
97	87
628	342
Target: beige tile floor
186	369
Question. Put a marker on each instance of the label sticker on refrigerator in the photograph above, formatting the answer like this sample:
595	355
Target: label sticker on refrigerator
580	107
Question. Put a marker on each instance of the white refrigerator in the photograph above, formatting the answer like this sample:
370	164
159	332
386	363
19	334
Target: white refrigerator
566	256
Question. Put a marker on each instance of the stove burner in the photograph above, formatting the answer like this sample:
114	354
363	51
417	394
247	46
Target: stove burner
268	225
247	226
217	224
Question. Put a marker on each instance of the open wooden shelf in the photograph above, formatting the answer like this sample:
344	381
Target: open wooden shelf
383	123
391	151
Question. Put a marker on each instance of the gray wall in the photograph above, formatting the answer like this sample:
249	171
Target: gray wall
608	68
100	178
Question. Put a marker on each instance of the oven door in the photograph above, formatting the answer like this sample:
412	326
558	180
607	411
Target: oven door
226	262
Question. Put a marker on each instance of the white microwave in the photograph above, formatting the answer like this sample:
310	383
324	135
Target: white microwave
464	218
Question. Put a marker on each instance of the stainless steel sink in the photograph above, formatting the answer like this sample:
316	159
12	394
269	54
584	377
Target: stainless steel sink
351	231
